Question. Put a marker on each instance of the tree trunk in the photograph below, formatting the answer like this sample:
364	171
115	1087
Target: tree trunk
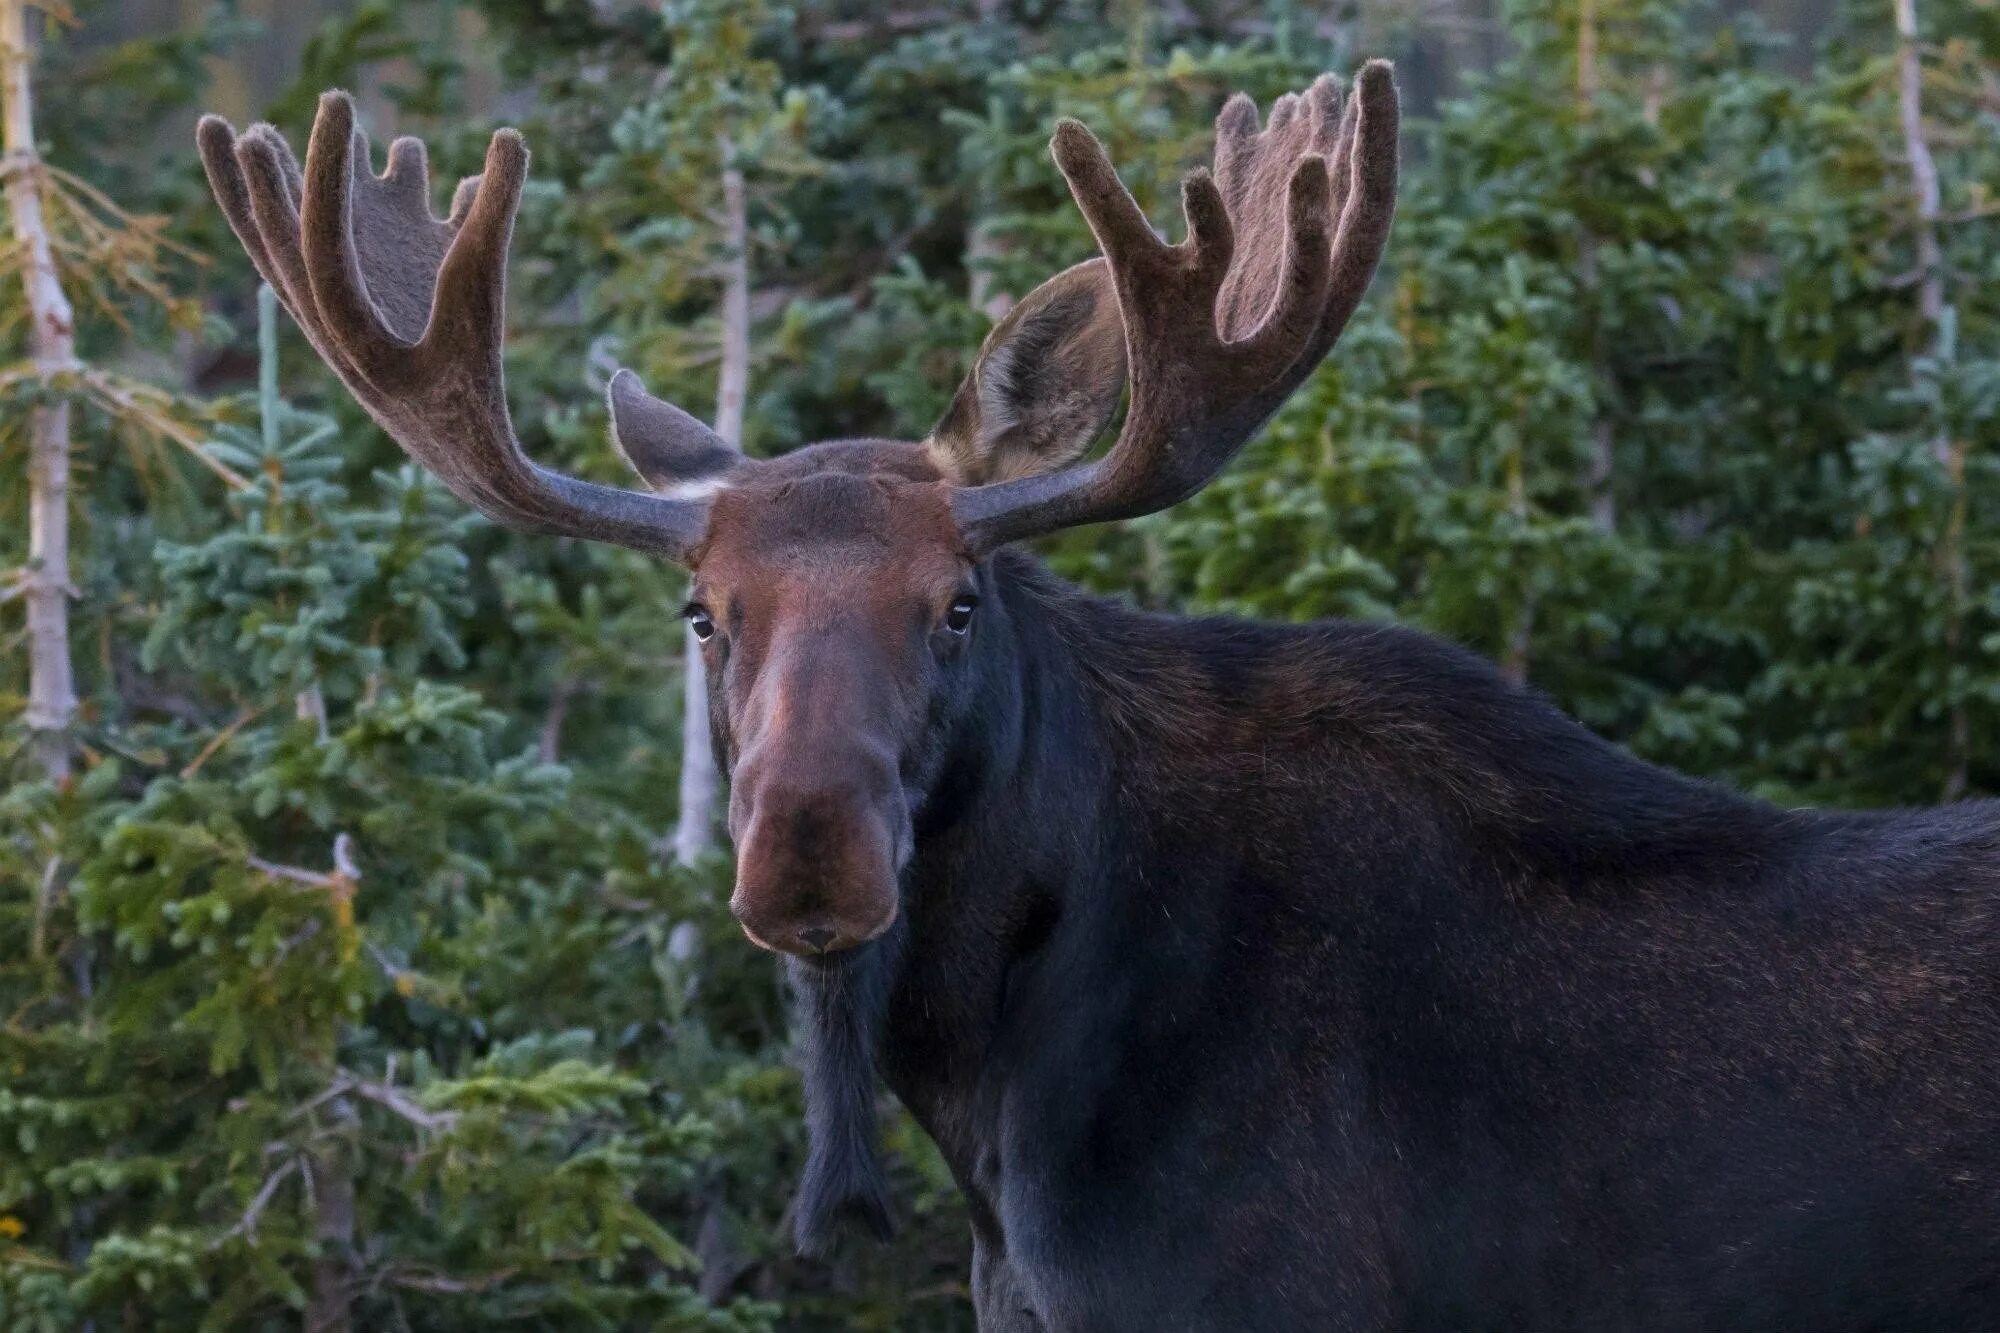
52	346
701	782
733	381
1931	304
335	1145
1586	55
1515	654
309	704
330	1306
1923	170
1600	470
981	248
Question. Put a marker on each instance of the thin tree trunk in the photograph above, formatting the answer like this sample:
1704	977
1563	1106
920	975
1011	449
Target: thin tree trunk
701	782
1600	470
1653	104
1603	468
1923	170
1514	658
549	748
45	583
981	249
1586	55
1931	304
1958	720
330	1306
1138	33
309	704
334	1147
52	346
733	381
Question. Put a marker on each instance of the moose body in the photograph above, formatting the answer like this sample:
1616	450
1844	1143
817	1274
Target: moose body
1249	977
1261	977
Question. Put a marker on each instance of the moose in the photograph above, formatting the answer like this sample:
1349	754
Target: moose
1248	976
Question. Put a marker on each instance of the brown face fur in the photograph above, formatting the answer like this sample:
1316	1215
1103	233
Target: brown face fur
829	576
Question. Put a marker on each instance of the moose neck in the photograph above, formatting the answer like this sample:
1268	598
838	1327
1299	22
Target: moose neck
1137	800
1008	839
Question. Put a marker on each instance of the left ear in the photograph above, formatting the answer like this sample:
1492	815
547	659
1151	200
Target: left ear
675	453
1045	385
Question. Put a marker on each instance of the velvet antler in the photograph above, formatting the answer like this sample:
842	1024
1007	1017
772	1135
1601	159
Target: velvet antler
410	311
1220	329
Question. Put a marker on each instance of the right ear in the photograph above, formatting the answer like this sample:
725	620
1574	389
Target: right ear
1045	385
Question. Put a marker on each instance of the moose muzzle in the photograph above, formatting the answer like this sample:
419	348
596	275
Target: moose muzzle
816	806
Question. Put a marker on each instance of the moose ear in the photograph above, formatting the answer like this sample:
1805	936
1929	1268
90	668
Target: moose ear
675	453
1045	385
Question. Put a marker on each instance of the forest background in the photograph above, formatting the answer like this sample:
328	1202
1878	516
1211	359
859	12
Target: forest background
363	956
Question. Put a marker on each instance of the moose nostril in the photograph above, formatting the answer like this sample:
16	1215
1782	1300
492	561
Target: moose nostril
816	938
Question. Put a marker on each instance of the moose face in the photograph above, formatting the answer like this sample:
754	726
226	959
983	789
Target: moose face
834	601
834	588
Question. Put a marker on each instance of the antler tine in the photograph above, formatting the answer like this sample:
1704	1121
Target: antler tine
217	144
1221	328
265	160
410	312
340	295
1370	131
471	304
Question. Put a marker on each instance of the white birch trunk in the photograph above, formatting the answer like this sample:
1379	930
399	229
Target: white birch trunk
981	249
52	347
1923	170
701	781
1925	200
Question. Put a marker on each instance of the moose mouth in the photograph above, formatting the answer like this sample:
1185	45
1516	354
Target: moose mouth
817	872
820	945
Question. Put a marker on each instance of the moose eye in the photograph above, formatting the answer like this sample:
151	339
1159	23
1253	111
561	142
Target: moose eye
700	621
959	618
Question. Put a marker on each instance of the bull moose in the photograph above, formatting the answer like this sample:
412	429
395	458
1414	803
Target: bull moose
1248	976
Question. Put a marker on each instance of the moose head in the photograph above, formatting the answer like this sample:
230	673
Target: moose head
842	591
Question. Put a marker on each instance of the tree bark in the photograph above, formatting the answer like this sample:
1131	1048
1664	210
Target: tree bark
1923	169
701	782
309	704
335	1144
733	381
329	1309
1586	55
52	347
1932	305
1518	649
981	248
1599	472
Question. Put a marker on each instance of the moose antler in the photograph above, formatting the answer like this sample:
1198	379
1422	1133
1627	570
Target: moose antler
1221	328
410	311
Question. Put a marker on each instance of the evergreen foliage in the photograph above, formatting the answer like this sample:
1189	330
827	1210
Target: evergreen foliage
348	974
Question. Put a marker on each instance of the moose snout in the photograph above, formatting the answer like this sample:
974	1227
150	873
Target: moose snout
816	861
